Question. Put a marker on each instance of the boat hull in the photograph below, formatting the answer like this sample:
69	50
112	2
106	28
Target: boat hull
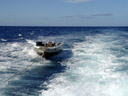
49	51
48	55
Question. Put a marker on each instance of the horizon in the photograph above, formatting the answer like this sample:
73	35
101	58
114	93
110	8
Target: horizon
61	26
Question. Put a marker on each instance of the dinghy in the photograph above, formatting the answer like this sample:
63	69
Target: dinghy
48	49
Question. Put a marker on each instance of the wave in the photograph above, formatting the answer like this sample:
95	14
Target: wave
91	64
92	71
14	57
3	40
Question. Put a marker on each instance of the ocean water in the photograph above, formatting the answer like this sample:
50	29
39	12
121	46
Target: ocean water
94	62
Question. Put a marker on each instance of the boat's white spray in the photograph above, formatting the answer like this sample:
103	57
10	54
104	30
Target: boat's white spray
93	69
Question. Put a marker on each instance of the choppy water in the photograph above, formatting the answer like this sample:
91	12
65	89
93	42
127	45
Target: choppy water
94	62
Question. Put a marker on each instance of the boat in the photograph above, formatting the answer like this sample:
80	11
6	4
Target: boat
48	49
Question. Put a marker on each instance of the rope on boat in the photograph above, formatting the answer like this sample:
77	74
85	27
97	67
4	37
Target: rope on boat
19	72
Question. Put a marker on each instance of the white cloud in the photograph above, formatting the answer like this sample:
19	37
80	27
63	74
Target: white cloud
76	1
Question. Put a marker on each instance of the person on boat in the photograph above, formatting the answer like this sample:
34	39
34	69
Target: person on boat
53	43
50	44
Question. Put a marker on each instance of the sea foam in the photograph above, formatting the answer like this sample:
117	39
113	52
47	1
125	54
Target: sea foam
92	70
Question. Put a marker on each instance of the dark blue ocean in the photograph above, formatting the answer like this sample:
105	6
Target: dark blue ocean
94	62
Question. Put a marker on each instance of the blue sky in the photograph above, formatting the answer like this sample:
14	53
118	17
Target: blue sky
63	12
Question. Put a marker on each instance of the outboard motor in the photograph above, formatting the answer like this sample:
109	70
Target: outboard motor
39	43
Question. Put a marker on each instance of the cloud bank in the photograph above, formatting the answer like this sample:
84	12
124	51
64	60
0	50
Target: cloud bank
69	16
100	15
96	15
90	16
76	1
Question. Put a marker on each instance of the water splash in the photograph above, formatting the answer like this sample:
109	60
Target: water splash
92	69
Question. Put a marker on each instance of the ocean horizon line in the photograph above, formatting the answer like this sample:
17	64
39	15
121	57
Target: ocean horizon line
59	26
